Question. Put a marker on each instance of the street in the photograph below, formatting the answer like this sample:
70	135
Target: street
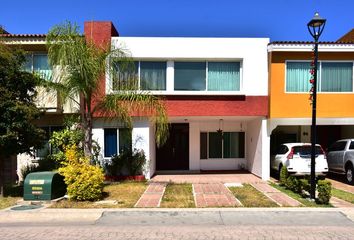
187	224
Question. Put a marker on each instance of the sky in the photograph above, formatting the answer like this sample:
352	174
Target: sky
279	20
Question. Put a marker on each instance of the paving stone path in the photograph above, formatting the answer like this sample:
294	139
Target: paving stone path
152	195
213	195
280	198
339	203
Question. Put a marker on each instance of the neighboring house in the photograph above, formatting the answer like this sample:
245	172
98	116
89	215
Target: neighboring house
290	110
53	110
216	94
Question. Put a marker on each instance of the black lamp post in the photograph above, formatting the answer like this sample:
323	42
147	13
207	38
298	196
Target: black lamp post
315	27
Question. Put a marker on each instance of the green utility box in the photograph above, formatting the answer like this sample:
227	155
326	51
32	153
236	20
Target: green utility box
43	186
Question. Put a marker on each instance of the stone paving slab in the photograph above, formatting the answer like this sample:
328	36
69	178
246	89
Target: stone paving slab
213	195
339	203
152	195
278	197
192	232
341	185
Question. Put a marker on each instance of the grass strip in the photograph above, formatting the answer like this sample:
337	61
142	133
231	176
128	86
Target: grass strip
346	196
125	193
178	196
251	197
306	202
6	202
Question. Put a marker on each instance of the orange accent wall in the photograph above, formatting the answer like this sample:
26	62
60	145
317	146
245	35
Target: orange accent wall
297	105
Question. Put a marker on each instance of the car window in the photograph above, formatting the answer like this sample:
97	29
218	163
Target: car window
338	146
306	150
351	145
282	149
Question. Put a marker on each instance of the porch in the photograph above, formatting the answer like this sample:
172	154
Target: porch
208	177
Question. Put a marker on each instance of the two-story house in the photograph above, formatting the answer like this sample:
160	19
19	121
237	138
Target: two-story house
53	109
290	111
216	94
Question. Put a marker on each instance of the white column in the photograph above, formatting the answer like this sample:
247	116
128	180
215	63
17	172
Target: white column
194	146
265	150
141	140
170	77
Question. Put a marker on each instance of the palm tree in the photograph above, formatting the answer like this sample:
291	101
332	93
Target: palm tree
81	65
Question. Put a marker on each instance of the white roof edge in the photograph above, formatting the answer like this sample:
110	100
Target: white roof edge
297	47
24	41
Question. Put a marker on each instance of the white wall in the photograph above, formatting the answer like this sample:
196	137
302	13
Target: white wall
258	152
142	138
251	51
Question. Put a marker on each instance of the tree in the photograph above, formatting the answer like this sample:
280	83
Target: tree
82	65
18	134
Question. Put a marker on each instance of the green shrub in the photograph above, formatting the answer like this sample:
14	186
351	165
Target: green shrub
305	185
324	188
130	161
84	181
283	175
136	163
47	164
62	139
293	184
115	167
13	191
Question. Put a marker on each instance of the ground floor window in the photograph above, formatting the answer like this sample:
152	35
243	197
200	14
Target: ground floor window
222	145
115	139
47	148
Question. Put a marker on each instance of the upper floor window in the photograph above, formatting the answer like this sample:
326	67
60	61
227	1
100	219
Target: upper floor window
188	76
38	63
207	76
145	75
332	77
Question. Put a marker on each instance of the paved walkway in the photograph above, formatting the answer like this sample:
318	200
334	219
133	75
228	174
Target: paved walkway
280	198
152	195
341	185
238	177
213	195
339	203
209	190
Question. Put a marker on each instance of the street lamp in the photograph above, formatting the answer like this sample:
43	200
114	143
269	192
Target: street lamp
315	27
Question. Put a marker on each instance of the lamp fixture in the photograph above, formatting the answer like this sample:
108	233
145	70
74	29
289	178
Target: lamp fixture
221	126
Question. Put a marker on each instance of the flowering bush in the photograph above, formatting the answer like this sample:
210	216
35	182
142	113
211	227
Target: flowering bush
84	181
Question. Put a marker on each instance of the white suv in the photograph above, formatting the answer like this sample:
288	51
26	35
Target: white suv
296	157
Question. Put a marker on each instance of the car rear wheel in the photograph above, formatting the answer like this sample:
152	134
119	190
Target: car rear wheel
349	171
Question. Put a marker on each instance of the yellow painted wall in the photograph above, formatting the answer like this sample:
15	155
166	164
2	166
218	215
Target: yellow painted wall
297	105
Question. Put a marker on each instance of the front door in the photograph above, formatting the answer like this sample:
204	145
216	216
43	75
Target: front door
174	154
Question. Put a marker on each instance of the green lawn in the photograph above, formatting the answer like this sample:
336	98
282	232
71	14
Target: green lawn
251	197
346	196
125	193
178	196
298	197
